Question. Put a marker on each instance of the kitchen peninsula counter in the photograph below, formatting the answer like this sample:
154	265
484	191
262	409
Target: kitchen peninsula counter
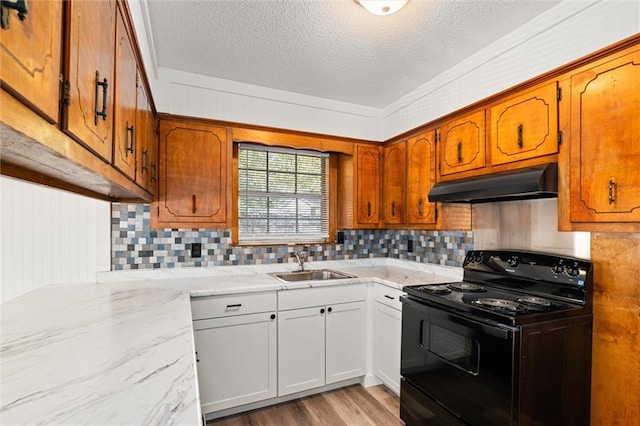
121	351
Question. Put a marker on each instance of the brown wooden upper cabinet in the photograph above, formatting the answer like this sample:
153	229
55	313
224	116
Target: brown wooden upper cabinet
462	143
421	176
135	138
75	64
605	140
195	169
90	71
146	142
525	126
126	131
30	54
367	165
393	182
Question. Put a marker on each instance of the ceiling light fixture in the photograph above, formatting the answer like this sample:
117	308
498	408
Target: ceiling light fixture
382	7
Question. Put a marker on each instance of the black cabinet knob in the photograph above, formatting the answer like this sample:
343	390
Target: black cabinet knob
273	316
322	311
329	309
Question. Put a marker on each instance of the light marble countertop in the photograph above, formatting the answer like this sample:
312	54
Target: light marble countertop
90	354
120	351
245	279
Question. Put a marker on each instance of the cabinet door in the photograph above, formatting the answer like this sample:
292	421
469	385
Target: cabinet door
144	138
126	129
153	150
462	144
368	184
89	115
301	356
387	330
31	53
525	126
193	174
605	141
236	360
346	334
393	183
421	176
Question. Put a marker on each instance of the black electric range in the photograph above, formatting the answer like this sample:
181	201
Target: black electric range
510	344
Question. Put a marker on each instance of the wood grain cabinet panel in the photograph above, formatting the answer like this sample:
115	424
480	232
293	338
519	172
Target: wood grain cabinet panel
525	126
393	182
462	143
421	176
126	130
90	71
368	185
605	141
194	175
146	142
615	374
31	54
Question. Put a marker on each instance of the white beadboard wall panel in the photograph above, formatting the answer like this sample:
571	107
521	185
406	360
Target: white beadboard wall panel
564	33
50	236
207	97
182	93
526	225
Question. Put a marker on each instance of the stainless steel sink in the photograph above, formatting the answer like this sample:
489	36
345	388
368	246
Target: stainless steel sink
311	275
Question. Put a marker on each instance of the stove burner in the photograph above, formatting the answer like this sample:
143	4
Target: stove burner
435	289
499	304
466	287
534	301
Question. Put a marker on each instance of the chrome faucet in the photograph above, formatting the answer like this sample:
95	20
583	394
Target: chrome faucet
300	257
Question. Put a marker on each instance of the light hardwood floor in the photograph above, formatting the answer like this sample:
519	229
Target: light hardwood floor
353	405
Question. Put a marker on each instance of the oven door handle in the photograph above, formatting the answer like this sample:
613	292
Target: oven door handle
446	361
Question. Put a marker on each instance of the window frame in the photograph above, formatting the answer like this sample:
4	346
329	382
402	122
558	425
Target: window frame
331	181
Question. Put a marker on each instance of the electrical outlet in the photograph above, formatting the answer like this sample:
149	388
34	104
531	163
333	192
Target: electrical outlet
340	237
196	250
410	246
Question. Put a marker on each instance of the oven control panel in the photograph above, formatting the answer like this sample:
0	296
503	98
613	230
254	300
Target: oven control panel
551	268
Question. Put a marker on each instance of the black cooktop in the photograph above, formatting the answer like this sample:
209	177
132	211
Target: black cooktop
495	303
514	287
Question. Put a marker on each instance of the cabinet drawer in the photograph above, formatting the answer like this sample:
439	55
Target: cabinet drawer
321	296
232	304
388	296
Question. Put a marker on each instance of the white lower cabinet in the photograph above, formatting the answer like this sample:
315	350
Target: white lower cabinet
321	337
346	333
301	356
236	354
257	346
387	331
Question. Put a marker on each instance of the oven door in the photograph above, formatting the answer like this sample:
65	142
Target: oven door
463	365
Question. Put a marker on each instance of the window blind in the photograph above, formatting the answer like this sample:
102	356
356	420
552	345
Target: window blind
282	195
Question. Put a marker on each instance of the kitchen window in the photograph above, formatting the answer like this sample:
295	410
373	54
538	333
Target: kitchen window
283	195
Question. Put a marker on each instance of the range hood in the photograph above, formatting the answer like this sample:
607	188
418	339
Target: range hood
522	184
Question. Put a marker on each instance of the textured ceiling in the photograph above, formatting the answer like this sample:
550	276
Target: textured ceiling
331	49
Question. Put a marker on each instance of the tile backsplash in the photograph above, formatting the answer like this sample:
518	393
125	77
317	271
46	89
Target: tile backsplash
134	245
